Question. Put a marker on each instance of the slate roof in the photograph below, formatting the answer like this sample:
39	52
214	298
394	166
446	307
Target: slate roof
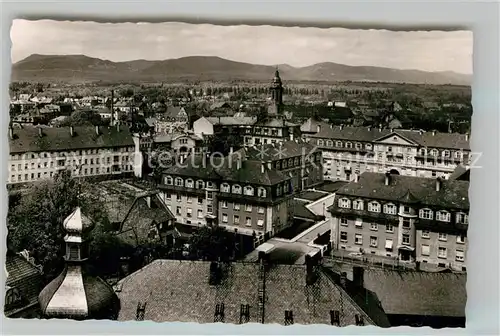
452	195
24	276
366	134
28	139
162	286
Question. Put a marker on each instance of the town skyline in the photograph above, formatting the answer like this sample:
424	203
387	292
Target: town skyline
265	45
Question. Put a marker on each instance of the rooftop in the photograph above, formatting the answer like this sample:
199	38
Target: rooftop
311	195
453	194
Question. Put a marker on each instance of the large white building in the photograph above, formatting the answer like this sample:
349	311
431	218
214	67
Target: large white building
349	151
38	153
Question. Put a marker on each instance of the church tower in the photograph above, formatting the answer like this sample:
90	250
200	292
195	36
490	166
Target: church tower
276	89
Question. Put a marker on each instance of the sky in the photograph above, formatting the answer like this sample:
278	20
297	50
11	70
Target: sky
268	45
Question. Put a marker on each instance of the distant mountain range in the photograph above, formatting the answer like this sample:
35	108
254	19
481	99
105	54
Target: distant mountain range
67	68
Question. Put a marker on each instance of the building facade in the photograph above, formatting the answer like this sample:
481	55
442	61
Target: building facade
406	218
39	153
348	151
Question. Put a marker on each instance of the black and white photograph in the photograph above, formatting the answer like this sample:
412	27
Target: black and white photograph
193	172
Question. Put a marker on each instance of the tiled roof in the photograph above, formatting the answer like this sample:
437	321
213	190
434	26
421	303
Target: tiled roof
25	277
180	291
365	134
452	194
28	139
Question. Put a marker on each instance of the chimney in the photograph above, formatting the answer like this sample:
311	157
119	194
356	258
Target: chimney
331	126
343	279
318	128
11	132
434	132
392	130
262	168
420	132
71	131
439	184
97	130
291	136
341	126
231	150
380	129
467	136
387	178
356	177
40	133
357	276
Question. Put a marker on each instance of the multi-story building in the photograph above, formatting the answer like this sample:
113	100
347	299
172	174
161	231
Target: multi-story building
409	218
348	151
87	151
254	131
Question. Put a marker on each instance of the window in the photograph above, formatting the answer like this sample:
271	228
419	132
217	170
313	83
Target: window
388	244
374	207
426	250
358	223
74	252
406	223
179	198
343	236
446	153
406	239
200	200
373	241
261	192
443	236
390	209
236	206
248	221
260	222
179	182
348	145
442	252
223	204
189	183
236	189
189	212
209	195
224	187
200	213
425	234
248	191
373	226
338	144
261	210
357	205
389	228
358	239
459	255
344	203
189	199
343	221
178	211
200	184
359	320
443	216
209	209
461	239
244	313
248	208
462	218
224	218
288	317
236	219
426	213
335	317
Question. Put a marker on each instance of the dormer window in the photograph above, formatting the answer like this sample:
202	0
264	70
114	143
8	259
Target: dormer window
368	146
169	180
179	182
329	143
426	214
390	209
12	296
446	153
248	191
462	218
423	151
344	203
443	216
458	155
374	206
338	144
200	184
358	145
434	152
357	205
236	189
320	142
348	145
261	192
225	187
189	183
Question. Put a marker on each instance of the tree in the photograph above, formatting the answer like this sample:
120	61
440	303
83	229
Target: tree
35	223
212	243
223	143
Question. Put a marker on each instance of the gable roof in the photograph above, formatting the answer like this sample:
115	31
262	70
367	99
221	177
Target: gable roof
452	195
28	138
162	286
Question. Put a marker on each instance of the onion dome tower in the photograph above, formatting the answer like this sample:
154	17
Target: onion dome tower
75	294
